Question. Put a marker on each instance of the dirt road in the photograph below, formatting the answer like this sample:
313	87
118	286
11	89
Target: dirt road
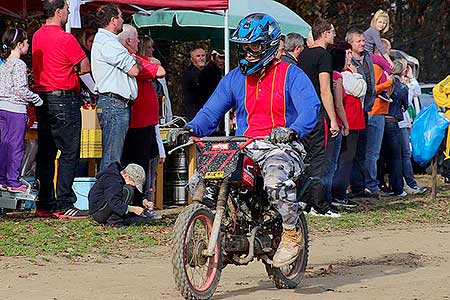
390	263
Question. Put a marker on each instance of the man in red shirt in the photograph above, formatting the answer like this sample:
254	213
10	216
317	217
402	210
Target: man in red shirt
58	59
140	143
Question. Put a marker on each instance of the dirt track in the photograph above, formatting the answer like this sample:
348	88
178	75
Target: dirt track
393	263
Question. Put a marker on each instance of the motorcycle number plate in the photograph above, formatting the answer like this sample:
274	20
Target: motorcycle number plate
214	175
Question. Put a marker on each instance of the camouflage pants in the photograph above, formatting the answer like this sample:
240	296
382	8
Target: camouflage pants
281	165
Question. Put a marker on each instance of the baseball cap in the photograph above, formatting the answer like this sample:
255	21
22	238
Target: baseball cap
217	52
137	174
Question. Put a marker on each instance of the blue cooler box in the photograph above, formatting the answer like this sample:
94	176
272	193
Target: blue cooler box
82	186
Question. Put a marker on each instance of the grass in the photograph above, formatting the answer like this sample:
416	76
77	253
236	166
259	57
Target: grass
21	234
415	209
412	211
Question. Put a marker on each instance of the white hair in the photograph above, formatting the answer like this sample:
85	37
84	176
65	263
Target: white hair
128	32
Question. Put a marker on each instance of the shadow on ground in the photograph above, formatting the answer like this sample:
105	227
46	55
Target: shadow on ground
322	279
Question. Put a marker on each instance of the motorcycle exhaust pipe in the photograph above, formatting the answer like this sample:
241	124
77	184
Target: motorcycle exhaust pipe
220	209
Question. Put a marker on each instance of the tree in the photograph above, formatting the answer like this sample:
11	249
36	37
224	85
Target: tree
421	28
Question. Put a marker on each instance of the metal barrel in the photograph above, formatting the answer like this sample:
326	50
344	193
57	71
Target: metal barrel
176	179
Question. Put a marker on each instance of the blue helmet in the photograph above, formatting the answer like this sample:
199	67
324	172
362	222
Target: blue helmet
261	29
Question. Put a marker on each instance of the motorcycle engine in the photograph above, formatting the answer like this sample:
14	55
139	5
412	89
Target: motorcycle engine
236	244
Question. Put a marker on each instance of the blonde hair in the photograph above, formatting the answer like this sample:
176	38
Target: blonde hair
380	14
144	44
399	66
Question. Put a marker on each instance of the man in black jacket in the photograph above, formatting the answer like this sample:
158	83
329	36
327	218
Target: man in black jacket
293	46
110	199
211	74
191	85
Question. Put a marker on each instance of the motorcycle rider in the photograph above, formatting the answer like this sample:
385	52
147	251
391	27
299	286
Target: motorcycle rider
271	98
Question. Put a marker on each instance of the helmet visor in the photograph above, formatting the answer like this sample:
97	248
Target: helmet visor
254	49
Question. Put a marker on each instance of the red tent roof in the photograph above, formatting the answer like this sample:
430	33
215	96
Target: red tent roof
19	6
178	4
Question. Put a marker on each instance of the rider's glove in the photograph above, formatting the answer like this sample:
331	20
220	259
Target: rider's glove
282	135
179	135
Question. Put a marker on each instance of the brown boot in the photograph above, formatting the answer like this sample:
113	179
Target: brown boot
288	248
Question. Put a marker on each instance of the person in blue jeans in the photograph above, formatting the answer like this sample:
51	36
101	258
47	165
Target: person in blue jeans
364	66
392	134
414	90
411	186
354	87
340	60
375	132
58	59
114	70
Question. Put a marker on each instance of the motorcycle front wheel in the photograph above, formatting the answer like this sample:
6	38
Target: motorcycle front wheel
290	276
196	275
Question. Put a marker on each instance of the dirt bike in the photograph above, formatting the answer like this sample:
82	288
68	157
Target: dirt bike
230	221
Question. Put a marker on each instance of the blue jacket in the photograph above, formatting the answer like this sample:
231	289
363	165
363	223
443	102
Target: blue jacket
400	99
282	97
108	189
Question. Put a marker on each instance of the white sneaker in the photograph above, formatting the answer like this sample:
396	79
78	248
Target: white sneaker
414	190
403	194
329	214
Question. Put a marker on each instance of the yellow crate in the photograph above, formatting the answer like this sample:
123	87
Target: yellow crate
91	143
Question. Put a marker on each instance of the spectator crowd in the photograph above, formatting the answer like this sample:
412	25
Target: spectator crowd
359	146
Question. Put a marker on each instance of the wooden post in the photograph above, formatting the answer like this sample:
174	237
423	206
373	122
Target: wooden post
434	185
158	194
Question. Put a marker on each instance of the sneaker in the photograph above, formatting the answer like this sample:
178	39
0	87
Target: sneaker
345	203
288	248
421	188
72	213
365	193
330	213
403	194
151	214
42	213
415	190
20	189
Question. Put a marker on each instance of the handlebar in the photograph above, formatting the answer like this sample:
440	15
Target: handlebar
189	142
212	139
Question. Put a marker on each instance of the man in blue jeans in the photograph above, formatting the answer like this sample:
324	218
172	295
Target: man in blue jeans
114	70
364	65
57	60
376	126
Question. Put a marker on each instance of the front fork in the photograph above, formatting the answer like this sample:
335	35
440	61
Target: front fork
220	209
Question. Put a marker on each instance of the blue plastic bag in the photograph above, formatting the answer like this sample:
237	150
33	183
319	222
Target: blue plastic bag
427	133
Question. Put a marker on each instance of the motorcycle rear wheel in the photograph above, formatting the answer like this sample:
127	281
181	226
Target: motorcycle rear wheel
291	276
196	276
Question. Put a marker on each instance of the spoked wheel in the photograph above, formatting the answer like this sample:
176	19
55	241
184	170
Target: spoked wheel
196	275
288	277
